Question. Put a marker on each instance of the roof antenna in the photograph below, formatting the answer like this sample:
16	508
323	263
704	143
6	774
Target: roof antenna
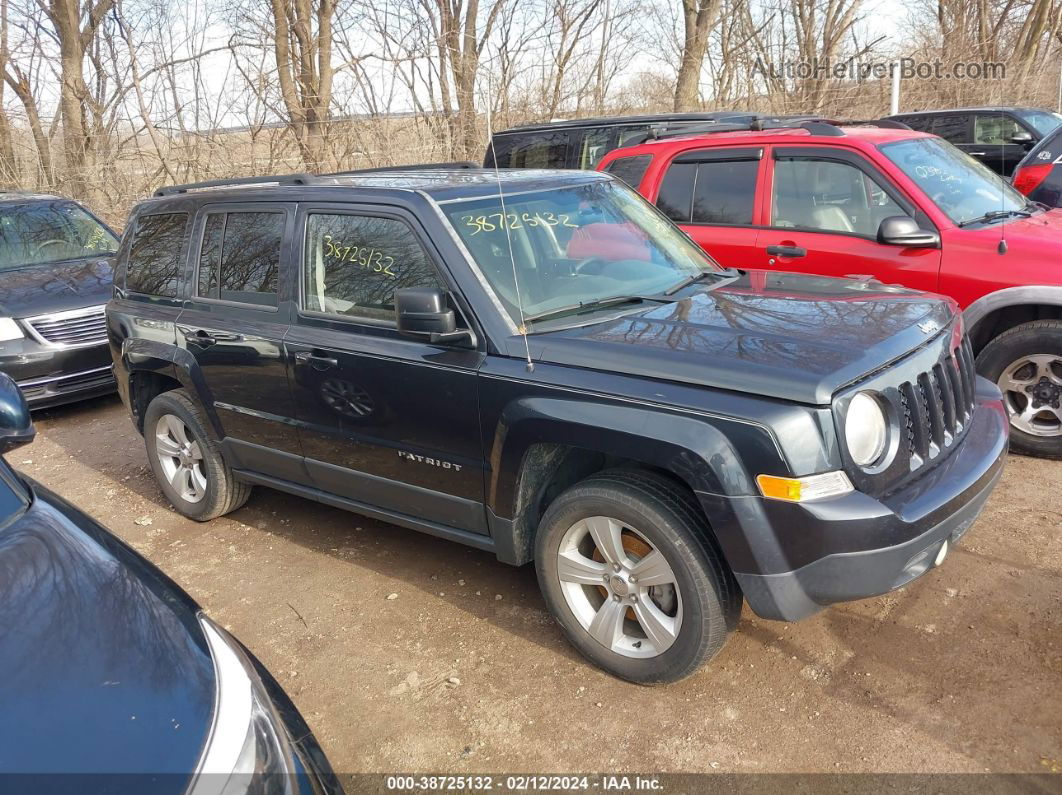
505	226
1002	248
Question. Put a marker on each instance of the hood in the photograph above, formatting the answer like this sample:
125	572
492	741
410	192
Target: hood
103	666
55	287
784	335
1039	235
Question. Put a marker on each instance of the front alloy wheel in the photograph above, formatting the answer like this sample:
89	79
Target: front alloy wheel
632	573
619	587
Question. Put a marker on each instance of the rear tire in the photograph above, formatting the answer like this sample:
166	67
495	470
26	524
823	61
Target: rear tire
186	458
629	569
1025	362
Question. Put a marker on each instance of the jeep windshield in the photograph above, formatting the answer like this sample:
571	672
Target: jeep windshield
964	189
576	250
39	233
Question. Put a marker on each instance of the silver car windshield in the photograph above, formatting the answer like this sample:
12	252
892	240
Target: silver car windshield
963	188
576	246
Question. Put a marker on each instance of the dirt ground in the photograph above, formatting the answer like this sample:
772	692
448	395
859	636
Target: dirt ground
463	671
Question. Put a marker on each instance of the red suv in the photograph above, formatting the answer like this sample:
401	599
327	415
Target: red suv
902	206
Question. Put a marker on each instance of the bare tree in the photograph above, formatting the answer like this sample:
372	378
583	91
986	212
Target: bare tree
699	18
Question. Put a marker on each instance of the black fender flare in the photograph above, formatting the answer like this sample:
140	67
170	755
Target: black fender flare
699	449
142	355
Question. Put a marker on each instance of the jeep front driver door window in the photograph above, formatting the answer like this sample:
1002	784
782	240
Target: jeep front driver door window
824	212
234	322
711	194
385	420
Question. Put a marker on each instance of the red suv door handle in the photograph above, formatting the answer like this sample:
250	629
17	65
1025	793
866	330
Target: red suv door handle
787	251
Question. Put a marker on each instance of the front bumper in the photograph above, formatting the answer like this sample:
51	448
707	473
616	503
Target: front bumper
51	376
793	559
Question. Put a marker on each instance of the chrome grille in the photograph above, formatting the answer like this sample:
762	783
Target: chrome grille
70	329
936	406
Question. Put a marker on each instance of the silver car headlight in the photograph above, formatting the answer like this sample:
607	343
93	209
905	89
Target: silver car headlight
866	429
9	330
247	749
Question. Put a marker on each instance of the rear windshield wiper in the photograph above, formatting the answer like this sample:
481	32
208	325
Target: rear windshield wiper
994	215
589	306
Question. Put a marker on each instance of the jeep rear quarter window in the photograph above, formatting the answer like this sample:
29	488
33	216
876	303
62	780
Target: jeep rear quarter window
354	263
240	257
155	254
630	169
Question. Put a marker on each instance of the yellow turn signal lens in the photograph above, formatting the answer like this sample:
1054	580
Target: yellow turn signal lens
812	487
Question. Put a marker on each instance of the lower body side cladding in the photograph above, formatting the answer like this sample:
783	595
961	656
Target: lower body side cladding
793	559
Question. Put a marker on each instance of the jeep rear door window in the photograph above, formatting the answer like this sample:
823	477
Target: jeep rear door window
829	196
354	263
239	259
963	188
582	244
724	192
155	254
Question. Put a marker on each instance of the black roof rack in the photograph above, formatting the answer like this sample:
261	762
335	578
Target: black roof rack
813	124
306	179
456	164
284	179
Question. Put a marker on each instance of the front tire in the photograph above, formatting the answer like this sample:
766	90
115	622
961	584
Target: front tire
1025	362
187	461
631	572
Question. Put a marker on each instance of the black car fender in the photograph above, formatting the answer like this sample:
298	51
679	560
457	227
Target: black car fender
542	440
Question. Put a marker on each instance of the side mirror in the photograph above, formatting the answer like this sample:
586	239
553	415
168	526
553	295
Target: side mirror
902	230
422	313
16	427
1024	138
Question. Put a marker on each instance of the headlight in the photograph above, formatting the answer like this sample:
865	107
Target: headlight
865	429
246	750
9	330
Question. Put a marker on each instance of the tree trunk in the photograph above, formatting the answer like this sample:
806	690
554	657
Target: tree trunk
699	18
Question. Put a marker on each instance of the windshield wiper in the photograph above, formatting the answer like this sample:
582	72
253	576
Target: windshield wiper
994	215
700	277
589	306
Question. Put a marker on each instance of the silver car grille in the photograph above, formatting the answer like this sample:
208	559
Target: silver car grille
71	329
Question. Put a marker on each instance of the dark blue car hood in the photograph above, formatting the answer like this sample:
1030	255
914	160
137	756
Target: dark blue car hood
56	287
788	335
103	665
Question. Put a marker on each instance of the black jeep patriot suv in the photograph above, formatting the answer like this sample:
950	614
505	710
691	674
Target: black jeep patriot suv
541	365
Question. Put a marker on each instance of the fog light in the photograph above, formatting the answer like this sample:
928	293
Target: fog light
941	553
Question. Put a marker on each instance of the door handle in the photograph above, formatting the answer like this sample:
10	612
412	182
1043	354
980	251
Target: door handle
315	360
787	251
977	154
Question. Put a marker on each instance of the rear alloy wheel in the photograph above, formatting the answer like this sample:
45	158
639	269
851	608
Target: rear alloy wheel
186	458
630	570
180	458
1026	364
